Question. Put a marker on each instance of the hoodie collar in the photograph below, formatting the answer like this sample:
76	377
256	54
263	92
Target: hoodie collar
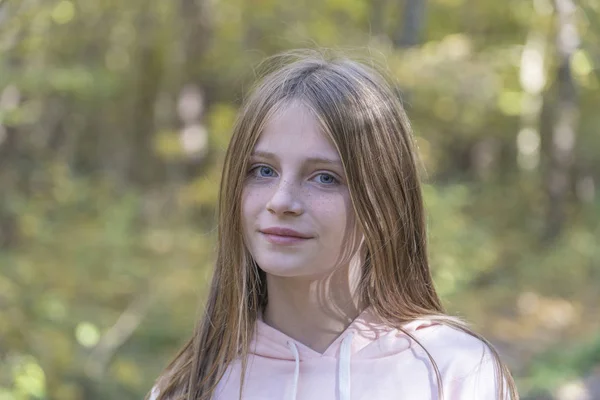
366	328
365	334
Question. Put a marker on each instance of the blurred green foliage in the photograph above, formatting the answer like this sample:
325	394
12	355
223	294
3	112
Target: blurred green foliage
573	361
114	118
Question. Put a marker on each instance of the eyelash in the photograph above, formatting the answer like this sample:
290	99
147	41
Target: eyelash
257	167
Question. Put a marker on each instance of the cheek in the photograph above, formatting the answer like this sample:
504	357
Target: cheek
335	213
248	206
253	202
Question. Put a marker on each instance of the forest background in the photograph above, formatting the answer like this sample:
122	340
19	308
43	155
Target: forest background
114	118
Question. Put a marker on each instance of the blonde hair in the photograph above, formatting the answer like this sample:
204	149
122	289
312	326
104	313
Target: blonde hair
364	118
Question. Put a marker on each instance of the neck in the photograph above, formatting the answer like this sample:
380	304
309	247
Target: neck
313	311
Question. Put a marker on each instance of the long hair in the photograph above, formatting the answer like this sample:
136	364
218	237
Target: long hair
363	117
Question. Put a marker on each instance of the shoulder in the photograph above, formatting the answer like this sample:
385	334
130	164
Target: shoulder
457	353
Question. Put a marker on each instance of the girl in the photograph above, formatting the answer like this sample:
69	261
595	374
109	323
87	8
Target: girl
322	287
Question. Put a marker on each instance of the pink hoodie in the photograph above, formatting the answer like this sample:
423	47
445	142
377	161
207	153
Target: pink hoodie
369	360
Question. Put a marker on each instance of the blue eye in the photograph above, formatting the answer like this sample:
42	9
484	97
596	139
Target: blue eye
327	179
262	171
265	171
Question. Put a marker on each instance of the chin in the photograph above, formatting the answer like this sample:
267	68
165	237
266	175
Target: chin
283	270
291	270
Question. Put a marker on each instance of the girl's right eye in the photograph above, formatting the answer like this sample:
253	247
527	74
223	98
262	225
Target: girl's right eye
262	171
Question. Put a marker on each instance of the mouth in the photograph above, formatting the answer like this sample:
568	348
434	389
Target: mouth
286	232
283	239
284	236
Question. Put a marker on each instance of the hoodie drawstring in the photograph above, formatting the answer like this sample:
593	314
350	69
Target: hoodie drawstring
343	372
294	349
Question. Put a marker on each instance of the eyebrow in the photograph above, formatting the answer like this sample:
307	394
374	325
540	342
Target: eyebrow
314	160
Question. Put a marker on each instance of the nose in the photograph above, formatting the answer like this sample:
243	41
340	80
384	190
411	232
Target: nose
285	200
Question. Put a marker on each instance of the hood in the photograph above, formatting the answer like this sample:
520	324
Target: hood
367	337
371	338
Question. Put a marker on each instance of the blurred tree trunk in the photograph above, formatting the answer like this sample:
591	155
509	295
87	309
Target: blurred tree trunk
11	169
142	164
377	17
408	34
8	173
562	130
192	96
196	35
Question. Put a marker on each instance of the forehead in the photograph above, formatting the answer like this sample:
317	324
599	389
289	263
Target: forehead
294	129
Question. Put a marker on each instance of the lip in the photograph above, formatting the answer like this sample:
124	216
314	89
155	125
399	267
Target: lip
284	236
284	232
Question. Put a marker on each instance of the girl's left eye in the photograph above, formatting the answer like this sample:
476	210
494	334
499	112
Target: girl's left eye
326	179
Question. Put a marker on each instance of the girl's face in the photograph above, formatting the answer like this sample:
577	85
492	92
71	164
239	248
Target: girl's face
295	181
